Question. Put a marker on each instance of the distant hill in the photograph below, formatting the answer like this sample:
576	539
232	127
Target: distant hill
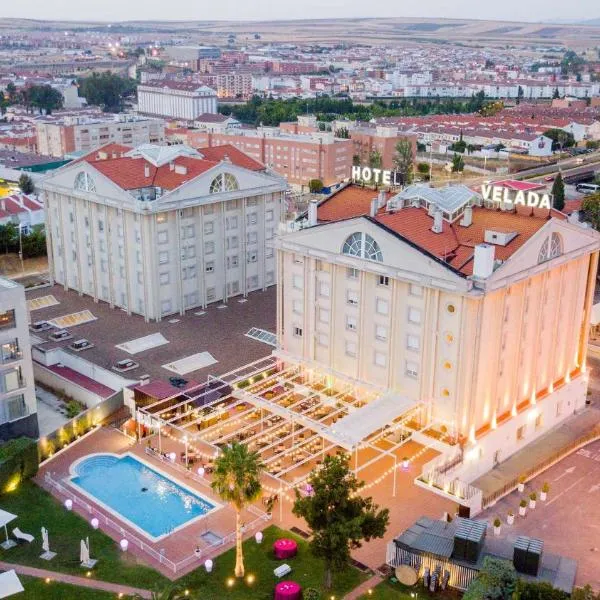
591	22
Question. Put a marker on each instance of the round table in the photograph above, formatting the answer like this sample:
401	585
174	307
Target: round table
285	548
288	590
406	575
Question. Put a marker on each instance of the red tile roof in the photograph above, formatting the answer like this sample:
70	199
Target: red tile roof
351	201
237	157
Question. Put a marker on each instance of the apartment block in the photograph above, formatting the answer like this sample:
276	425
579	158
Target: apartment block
184	100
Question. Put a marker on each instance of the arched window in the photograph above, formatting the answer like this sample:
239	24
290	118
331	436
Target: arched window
551	248
84	182
362	245
225	182
544	251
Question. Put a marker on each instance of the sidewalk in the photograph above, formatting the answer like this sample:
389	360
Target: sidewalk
95	584
363	588
539	451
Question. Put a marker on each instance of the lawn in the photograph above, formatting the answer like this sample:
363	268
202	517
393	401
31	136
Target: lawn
38	589
387	590
36	507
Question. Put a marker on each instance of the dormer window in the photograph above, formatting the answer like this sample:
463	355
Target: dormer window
83	182
225	182
362	245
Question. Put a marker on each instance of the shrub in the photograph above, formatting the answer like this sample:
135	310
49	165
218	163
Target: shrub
311	594
546	487
73	408
497	522
533	496
523	503
511	513
19	460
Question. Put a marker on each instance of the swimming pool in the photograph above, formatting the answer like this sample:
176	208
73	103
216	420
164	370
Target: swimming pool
139	494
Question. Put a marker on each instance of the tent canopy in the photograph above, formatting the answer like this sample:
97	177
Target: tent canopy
352	429
6	517
10	584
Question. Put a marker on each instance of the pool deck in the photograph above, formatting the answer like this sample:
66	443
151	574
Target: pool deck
409	504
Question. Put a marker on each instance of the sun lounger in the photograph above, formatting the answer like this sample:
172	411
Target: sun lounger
26	537
282	570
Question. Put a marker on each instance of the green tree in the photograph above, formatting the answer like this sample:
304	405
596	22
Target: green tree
337	515
591	210
375	159
343	133
43	97
560	138
26	184
236	479
458	163
11	92
555	94
315	186
497	580
558	192
403	159
34	243
584	593
537	590
107	90
9	235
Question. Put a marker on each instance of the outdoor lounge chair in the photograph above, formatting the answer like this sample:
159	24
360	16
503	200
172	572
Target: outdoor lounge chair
282	570
26	537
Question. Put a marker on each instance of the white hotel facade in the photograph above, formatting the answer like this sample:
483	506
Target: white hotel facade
478	314
161	230
176	99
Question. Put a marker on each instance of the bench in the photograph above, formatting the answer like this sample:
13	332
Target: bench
282	570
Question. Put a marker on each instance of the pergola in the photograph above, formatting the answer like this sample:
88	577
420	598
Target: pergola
292	415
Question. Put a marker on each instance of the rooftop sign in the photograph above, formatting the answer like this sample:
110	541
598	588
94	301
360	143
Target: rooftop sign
501	194
372	175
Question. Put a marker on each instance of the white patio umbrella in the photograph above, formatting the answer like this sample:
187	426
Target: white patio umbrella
10	584
5	518
45	543
84	553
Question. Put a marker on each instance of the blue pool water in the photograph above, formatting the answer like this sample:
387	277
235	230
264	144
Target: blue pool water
139	494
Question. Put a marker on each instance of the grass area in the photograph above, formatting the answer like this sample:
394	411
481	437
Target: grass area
40	590
387	590
36	507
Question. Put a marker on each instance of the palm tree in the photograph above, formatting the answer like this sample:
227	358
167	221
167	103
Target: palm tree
236	479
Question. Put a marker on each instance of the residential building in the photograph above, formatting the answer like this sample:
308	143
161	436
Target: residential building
159	230
61	135
18	408
184	100
21	210
392	294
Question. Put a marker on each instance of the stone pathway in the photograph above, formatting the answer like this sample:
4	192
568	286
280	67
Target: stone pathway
115	588
363	588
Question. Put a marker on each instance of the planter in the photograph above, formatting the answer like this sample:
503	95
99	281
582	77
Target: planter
521	487
543	496
510	519
532	504
522	510
497	530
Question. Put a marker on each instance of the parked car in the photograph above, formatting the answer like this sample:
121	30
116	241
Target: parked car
125	365
39	326
82	344
60	335
549	178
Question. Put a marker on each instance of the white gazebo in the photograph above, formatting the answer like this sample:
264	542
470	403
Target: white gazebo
5	519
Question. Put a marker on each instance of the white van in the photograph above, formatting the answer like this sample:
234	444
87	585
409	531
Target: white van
587	188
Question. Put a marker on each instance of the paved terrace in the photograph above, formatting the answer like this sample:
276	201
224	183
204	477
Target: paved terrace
220	332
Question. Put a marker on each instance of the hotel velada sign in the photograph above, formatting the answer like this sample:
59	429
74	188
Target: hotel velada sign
504	195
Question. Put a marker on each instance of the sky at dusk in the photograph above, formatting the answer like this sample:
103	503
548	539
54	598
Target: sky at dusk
122	10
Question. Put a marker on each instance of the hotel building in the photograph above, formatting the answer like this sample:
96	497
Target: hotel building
160	230
176	99
18	407
478	313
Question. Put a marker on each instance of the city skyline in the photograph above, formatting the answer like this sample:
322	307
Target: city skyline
512	10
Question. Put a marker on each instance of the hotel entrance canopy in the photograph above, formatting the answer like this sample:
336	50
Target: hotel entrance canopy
355	427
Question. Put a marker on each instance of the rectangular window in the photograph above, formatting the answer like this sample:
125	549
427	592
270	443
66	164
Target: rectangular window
298	282
323	315
188	252
297	306
190	231
163	237
163	257
232	261
269	253
7	319
232	242
231	222
252	237
100	225
268	215
381	333
380	359
251	257
413	342
270	277
352	273
323	340
351	349
165	306
163	278
352	297
412	369
209	227
521	433
209	247
324	289
16	408
252	218
351	323
414	315
383	280
209	267
298	331
382	306
211	294
415	290
140	278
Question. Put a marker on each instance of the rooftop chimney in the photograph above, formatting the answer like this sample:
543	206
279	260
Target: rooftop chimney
146	170
438	222
483	265
171	166
374	207
312	213
467	219
381	199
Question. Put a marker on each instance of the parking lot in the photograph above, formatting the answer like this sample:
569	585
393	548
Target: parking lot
220	332
569	520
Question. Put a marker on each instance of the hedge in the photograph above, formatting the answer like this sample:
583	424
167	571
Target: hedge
19	460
